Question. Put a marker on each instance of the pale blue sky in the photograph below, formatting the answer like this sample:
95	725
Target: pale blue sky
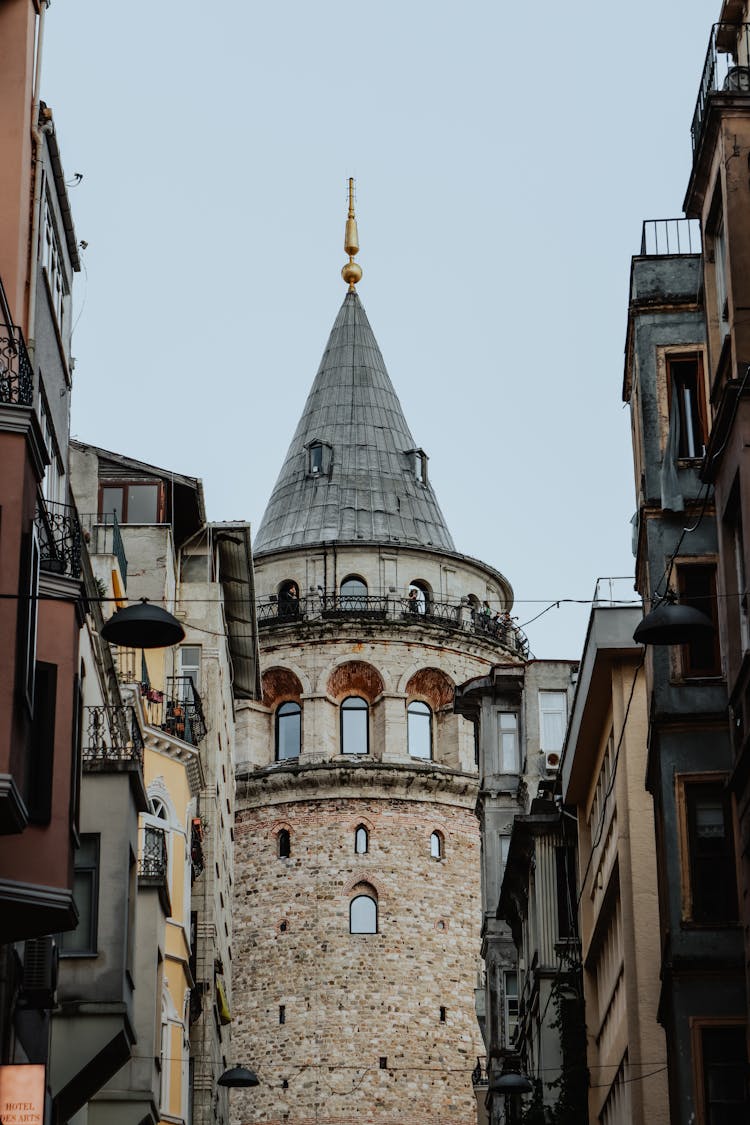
504	164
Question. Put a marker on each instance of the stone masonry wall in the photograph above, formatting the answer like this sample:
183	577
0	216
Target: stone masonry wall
352	1000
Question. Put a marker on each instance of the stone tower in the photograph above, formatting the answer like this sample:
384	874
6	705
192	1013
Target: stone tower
357	909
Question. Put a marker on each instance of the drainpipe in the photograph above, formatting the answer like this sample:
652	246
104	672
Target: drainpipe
37	138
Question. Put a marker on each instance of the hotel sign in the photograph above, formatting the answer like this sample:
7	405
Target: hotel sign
22	1095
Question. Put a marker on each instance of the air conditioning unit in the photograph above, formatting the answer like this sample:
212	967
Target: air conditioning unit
40	972
551	760
737	80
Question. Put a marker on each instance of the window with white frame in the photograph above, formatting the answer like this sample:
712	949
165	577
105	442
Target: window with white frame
507	727
52	484
190	665
553	717
510	990
52	262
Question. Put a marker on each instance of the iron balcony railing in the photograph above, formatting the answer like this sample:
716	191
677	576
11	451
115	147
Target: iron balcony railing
60	539
16	373
153	860
102	535
450	615
670	236
112	735
178	710
726	71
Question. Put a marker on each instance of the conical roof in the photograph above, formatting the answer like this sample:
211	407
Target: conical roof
368	481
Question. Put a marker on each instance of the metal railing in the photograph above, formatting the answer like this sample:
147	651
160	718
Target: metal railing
178	710
506	633
152	863
618	590
103	537
354	605
59	539
726	70
670	236
436	612
112	735
16	372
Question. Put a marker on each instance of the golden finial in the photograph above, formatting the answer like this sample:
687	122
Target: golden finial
352	272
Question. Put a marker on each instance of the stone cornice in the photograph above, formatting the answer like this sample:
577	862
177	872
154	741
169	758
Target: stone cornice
23	420
284	782
163	743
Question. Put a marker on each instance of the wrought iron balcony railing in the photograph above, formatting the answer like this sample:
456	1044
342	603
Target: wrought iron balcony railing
153	859
178	710
670	236
103	537
60	539
112	735
16	374
396	610
725	71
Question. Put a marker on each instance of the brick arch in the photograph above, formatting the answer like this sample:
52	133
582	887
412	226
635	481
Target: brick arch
280	825
364	879
433	685
280	684
355	677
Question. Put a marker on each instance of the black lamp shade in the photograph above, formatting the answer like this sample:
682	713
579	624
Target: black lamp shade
143	626
511	1083
673	624
238	1076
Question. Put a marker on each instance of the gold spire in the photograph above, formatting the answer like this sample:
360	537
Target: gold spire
351	272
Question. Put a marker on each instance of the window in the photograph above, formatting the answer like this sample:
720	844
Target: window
53	263
361	840
711	891
504	850
42	756
507	724
443	1014
27	616
685	380
363	915
353	593
354	725
722	1073
288	603
553	716
53	485
436	845
697	587
418	600
132	502
511	1006
284	844
282	1013
319	458
418	462
81	942
190	664
566	893
288	731
720	274
419	730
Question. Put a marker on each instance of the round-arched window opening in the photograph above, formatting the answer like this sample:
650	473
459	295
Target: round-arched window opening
353	593
284	844
288	600
288	731
419	597
361	840
419	730
363	915
355	724
437	847
159	808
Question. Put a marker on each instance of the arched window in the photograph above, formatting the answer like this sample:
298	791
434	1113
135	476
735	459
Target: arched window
437	848
353	593
361	840
284	844
419	597
354	725
288	600
419	730
363	915
288	731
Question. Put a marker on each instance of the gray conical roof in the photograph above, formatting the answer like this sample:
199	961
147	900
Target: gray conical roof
370	492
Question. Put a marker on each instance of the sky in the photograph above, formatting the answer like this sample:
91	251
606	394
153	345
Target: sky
505	158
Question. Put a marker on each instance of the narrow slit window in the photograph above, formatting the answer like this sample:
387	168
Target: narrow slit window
436	845
361	840
284	844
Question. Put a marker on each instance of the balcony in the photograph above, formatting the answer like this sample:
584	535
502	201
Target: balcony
662	237
152	864
112	738
392	610
16	374
726	71
59	532
178	710
102	536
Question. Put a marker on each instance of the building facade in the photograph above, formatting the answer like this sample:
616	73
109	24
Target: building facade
357	847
